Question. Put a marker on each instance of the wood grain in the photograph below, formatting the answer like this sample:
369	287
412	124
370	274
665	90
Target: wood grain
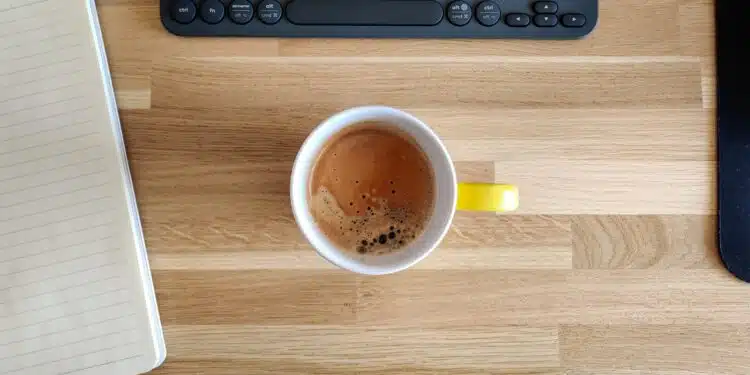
609	266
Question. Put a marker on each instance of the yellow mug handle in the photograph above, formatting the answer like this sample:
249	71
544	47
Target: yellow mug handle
487	197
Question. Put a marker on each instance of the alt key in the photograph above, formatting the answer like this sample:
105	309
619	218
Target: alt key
241	11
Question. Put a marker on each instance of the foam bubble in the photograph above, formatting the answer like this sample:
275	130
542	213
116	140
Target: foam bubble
380	229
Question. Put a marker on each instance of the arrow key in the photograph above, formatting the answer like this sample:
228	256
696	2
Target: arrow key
546	7
573	20
517	19
545	20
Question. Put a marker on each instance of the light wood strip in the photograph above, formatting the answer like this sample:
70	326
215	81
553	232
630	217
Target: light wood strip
133	99
696	22
257	297
708	86
530	258
500	348
503	134
493	134
638	242
701	349
541	85
611	186
290	367
534	297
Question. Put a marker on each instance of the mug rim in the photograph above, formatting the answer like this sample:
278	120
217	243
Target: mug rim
302	168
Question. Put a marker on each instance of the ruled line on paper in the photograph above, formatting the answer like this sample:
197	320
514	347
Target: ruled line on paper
30	3
42	131
48	183
76	355
39	66
40	239
46	90
57	305
38	54
101	364
26	31
53	222
22	44
126	329
49	156
36	106
38	41
116	304
87	283
57	208
93	323
38	77
61	262
47	251
49	116
87	257
70	138
55	168
32	16
56	195
78	341
67	316
57	277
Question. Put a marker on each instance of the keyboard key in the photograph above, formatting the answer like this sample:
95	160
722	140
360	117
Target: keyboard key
241	11
212	11
184	11
517	19
573	20
545	7
545	20
488	13
269	11
459	12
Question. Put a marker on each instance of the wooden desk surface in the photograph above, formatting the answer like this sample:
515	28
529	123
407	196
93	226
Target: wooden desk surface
609	267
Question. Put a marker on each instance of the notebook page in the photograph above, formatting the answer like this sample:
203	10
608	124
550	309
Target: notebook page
75	292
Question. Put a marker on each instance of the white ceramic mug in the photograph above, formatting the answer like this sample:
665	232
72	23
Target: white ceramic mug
449	195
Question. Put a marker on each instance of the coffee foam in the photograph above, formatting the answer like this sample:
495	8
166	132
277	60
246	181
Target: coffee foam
371	189
377	229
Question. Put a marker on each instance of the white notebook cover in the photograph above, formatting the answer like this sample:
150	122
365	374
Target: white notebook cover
76	295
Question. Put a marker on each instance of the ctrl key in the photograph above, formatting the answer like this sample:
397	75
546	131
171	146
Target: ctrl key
184	11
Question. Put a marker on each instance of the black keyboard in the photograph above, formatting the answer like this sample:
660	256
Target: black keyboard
733	135
565	19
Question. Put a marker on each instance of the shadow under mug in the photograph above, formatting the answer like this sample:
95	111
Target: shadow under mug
450	195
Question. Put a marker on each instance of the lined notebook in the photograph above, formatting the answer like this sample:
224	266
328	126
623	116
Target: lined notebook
76	295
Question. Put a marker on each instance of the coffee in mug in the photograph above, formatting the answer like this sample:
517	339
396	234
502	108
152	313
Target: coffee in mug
372	189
